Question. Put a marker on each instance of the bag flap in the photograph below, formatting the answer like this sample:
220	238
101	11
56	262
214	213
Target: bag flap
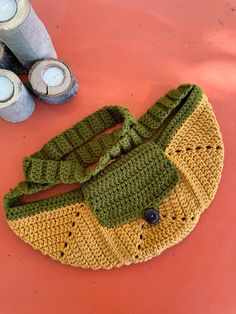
125	188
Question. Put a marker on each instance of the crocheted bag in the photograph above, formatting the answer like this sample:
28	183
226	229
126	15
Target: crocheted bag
152	180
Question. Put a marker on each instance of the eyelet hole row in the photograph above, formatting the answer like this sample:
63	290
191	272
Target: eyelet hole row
69	235
141	238
196	148
184	218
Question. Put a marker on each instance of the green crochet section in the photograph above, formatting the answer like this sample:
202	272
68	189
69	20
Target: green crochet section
122	192
167	115
48	166
16	210
176	118
65	158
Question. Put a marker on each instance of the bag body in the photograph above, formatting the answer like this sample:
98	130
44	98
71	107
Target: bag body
151	181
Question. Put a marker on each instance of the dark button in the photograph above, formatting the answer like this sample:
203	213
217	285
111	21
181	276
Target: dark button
151	216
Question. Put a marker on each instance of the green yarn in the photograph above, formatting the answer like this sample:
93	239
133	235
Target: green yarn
47	166
122	192
64	159
182	111
15	210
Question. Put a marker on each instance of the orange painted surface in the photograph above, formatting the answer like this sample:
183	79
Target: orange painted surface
130	53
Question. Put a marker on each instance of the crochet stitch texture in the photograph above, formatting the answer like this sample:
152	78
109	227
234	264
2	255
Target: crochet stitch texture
171	159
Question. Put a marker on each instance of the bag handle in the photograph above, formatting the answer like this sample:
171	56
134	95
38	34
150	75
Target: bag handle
50	164
65	157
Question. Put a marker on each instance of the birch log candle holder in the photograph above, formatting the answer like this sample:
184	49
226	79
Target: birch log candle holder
16	103
52	81
9	62
23	32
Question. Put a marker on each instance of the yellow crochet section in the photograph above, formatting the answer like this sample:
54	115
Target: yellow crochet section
74	236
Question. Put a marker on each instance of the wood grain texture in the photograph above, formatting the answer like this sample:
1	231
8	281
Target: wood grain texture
26	35
52	94
21	106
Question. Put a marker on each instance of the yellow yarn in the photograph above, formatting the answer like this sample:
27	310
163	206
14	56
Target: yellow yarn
74	236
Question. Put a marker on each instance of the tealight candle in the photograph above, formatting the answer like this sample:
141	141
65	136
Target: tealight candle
6	89
8	9
53	76
52	81
16	103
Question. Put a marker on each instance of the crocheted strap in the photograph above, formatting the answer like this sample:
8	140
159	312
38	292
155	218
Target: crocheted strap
64	158
159	115
53	164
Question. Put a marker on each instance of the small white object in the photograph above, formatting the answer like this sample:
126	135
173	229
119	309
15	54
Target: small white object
53	76
8	9
6	89
20	105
